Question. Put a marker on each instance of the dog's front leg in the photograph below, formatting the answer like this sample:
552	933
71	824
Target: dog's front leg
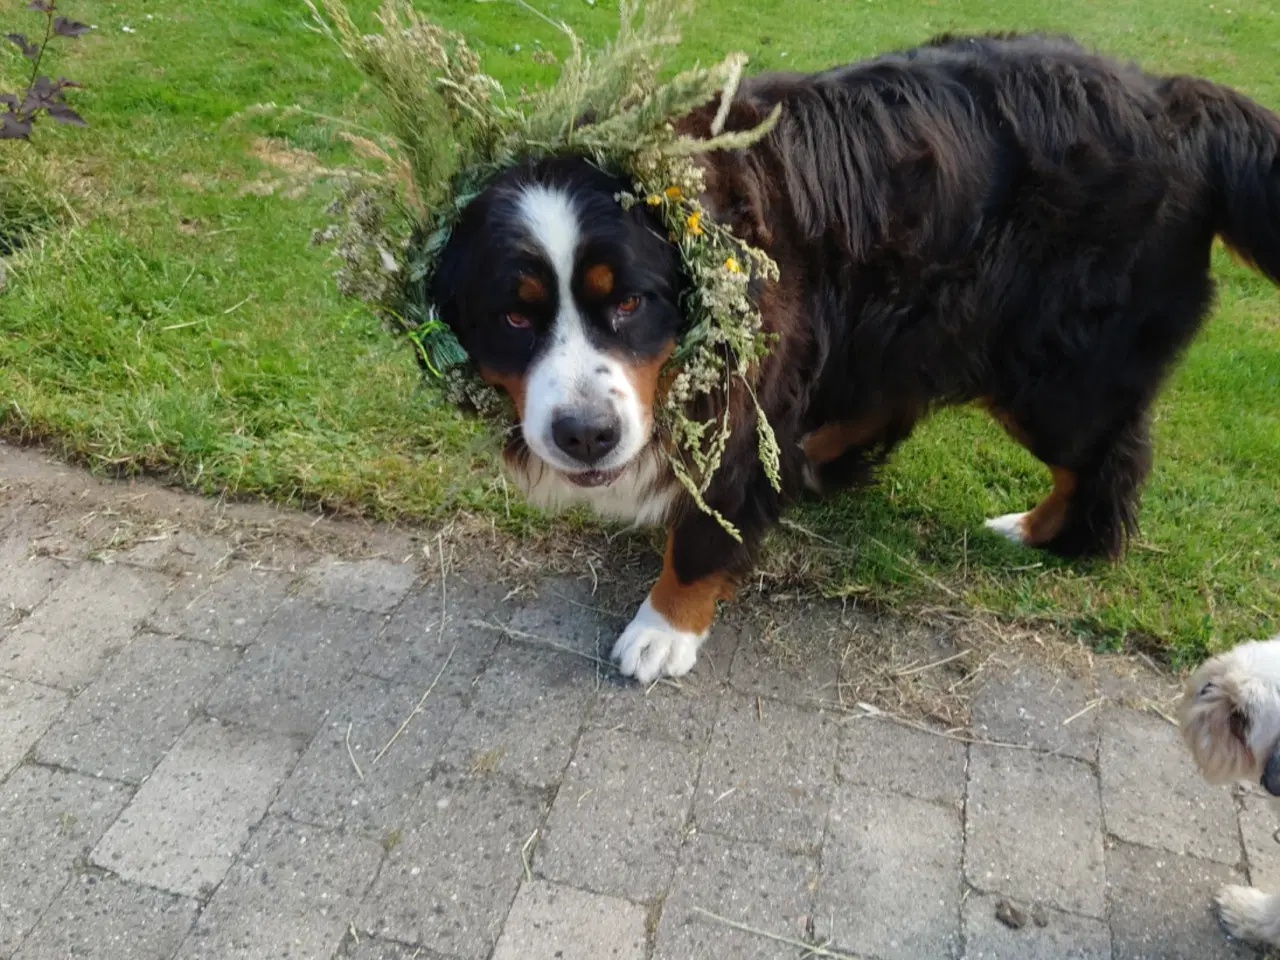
1250	914
663	638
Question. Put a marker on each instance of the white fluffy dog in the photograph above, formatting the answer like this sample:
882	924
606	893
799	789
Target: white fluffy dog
1230	718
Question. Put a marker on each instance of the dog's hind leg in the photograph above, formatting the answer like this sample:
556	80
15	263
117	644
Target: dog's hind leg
1093	506
843	453
1249	914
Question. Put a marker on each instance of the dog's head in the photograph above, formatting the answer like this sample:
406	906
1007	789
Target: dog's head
571	304
1230	715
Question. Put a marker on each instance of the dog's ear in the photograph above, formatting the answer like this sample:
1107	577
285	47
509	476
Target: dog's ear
1215	726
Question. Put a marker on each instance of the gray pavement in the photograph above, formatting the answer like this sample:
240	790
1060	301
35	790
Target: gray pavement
224	737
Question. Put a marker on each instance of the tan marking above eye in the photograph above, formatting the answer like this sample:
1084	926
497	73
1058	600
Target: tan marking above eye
531	290
598	280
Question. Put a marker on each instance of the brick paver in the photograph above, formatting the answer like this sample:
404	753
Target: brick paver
891	879
66	640
1260	830
25	580
617	821
342	782
749	883
49	820
449	878
187	768
552	922
1034	829
105	918
376	586
1160	906
879	753
184	828
1037	706
996	928
1152	796
293	892
525	716
27	710
769	773
124	723
289	680
221	606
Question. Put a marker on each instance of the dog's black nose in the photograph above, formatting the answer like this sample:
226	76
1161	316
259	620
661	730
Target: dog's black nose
1271	773
586	436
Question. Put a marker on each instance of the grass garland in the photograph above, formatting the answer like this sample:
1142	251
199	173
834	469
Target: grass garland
457	129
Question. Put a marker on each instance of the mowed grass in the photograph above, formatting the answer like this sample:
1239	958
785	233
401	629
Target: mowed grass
175	319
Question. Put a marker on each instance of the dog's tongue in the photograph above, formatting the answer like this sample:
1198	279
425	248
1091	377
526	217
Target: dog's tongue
1271	774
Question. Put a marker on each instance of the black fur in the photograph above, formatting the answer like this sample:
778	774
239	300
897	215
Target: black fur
1011	220
479	272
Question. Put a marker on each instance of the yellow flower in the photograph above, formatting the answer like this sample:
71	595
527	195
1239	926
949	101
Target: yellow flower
653	199
732	266
673	193
693	223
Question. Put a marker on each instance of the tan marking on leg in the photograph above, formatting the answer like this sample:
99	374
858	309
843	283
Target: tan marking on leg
513	383
830	440
1005	419
598	280
1046	520
531	289
688	606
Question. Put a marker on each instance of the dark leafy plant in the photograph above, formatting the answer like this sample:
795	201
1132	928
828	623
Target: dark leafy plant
42	94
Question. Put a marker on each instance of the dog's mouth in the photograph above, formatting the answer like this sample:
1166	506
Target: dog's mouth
594	478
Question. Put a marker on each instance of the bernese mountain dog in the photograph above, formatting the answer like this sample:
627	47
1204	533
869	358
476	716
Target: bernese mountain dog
1005	220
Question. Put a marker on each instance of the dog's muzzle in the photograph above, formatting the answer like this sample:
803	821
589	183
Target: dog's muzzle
1271	772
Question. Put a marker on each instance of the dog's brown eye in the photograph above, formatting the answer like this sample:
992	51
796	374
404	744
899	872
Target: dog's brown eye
518	320
629	305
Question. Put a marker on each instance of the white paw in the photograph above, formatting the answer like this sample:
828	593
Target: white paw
651	647
1009	526
1249	914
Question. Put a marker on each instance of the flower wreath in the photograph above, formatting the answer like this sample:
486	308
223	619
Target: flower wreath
456	129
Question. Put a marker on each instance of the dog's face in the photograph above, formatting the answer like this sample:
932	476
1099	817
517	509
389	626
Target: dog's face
1230	715
570	304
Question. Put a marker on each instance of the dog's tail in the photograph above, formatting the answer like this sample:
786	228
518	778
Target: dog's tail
1238	143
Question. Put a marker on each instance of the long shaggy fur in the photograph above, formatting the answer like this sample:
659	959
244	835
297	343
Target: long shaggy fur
1011	221
1230	721
1005	219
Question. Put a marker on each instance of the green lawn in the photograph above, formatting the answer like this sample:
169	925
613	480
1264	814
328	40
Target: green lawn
174	318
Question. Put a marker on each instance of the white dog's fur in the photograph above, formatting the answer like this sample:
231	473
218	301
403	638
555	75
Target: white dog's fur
1230	719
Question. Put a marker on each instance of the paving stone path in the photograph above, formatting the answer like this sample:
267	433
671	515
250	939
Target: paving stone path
217	750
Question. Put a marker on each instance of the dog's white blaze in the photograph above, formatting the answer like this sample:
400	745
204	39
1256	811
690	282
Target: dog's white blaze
551	219
570	371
